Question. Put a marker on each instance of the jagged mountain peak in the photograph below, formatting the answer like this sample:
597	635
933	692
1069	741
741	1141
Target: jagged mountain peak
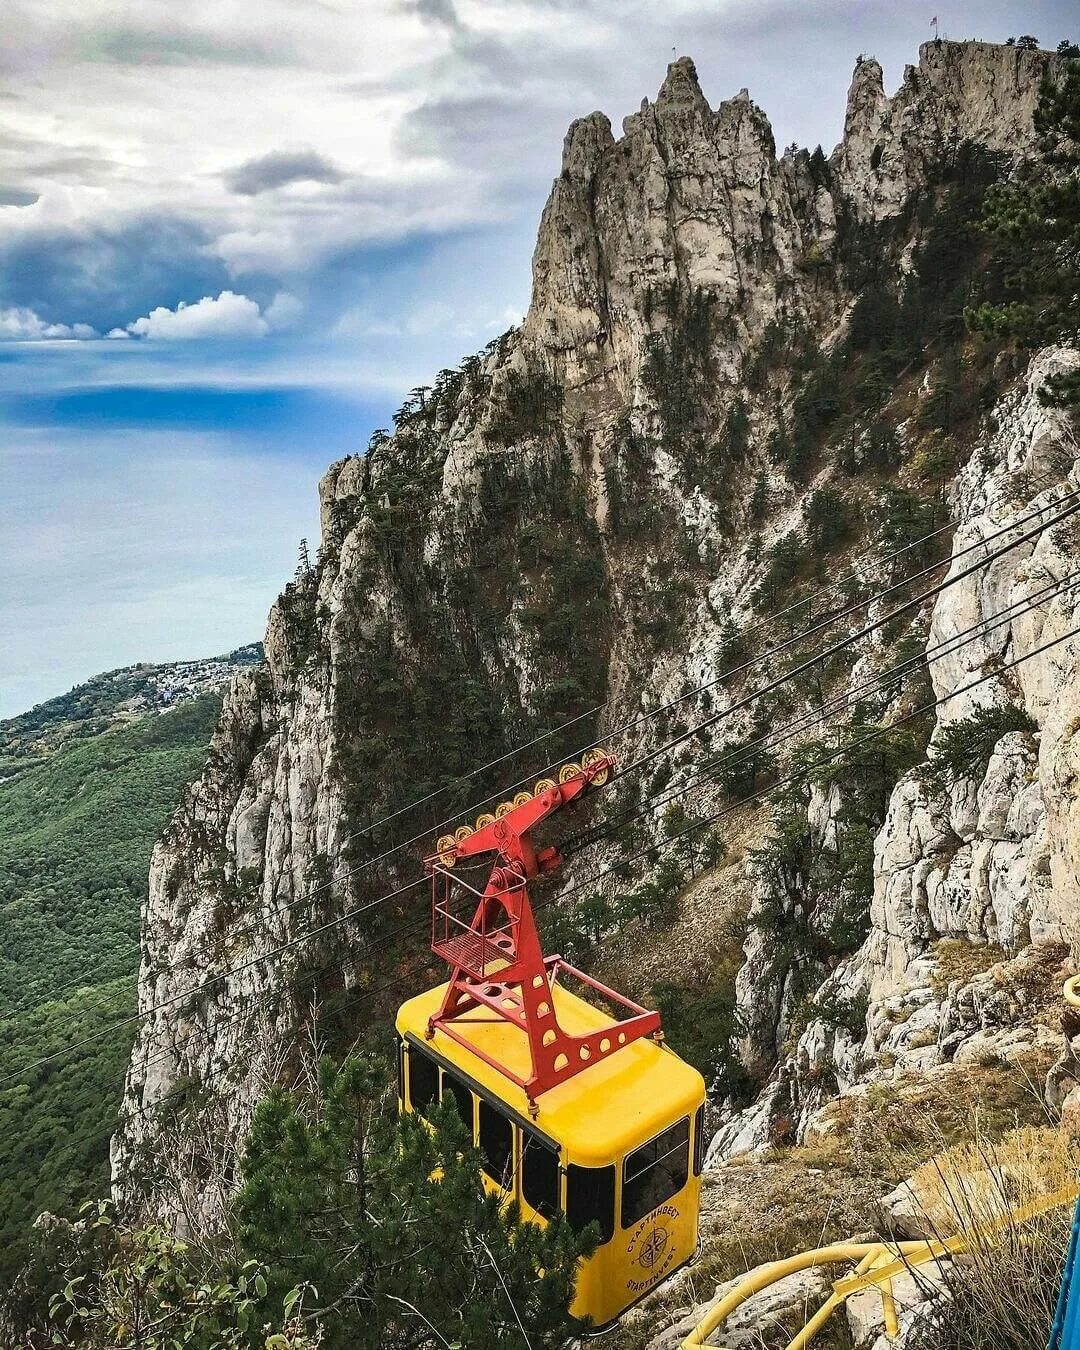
584	147
681	84
697	197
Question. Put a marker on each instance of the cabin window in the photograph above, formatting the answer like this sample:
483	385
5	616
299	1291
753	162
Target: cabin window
590	1198
539	1174
655	1172
401	1074
459	1096
496	1137
423	1080
699	1140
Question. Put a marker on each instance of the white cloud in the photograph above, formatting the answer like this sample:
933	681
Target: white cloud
227	315
18	324
404	117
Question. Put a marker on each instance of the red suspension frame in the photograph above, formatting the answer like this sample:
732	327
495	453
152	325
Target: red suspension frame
490	941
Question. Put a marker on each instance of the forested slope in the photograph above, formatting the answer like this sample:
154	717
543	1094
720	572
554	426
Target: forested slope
76	831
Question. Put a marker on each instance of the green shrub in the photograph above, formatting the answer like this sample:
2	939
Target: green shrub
702	1025
963	748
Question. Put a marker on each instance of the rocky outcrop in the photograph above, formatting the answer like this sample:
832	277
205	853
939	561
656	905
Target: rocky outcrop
569	520
959	91
983	858
970	869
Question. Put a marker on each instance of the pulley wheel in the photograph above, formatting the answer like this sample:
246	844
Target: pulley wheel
569	771
591	757
446	850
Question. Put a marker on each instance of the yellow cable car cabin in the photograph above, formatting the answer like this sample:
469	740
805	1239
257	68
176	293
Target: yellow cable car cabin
572	1110
621	1144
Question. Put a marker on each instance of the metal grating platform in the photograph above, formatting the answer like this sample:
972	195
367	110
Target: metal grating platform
470	950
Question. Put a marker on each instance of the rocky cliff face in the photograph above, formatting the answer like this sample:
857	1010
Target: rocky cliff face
587	514
974	905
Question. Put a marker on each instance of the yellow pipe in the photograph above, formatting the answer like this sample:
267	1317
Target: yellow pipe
775	1270
917	1253
888	1309
803	1339
888	1299
867	1275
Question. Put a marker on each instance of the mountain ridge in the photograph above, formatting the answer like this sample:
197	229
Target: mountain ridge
114	698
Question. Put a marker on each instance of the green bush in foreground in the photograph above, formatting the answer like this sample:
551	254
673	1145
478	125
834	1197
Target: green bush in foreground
363	1230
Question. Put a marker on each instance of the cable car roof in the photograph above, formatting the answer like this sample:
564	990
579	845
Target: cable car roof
602	1113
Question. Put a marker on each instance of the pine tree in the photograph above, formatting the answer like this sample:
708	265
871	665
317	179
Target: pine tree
759	501
303	563
388	1220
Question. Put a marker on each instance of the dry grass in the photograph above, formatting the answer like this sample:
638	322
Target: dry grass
1004	1288
898	1125
959	960
828	1189
707	935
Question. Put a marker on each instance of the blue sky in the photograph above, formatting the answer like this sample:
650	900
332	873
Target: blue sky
231	237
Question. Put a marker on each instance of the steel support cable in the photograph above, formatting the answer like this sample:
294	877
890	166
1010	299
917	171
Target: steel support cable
808	601
799	774
797	638
645	717
808	769
141	1016
794	640
434	829
828	620
838	703
852	638
666	748
368	863
416	924
879	683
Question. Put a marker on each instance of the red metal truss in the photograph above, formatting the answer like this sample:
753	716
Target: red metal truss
490	941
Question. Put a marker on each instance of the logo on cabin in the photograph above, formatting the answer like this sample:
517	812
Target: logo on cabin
651	1248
